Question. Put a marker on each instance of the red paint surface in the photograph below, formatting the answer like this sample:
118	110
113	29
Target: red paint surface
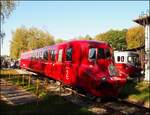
80	71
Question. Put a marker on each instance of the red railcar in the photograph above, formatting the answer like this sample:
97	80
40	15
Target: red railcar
87	64
128	63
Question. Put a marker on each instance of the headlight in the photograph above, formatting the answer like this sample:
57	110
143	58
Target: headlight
103	79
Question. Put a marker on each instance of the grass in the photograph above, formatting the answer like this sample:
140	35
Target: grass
136	91
51	104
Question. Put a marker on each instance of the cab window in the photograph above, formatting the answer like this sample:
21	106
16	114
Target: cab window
107	53
101	53
69	54
92	53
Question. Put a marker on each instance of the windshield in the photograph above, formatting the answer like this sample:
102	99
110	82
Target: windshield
99	53
133	59
103	53
92	53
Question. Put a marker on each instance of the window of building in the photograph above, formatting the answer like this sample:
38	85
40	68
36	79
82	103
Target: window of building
69	54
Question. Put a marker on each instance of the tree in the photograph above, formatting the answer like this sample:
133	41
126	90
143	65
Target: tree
59	40
87	37
135	37
39	38
24	39
6	8
115	38
19	42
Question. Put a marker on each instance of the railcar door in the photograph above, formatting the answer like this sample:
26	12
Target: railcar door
59	65
72	64
51	67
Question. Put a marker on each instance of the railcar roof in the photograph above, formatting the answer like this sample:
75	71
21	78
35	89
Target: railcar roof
71	41
125	53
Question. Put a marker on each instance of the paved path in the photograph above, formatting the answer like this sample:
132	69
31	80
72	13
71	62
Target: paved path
15	95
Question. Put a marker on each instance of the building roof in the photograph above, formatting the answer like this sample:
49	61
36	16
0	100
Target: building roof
136	49
143	20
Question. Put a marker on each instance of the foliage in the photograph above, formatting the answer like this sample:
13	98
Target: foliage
87	37
135	37
59	40
6	8
137	91
27	39
115	38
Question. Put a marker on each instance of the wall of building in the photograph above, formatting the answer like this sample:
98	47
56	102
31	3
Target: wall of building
147	51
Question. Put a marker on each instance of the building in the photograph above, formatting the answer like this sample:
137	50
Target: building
145	21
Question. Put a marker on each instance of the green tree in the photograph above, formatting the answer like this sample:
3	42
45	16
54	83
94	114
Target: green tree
19	42
28	39
87	37
135	37
6	8
59	40
115	38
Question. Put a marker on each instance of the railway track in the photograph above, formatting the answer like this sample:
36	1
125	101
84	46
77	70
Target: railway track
110	106
105	107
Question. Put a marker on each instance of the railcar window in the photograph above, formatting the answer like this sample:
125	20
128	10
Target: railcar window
118	58
40	55
50	54
92	53
122	58
101	53
53	55
60	55
136	59
69	54
130	59
37	55
107	52
46	55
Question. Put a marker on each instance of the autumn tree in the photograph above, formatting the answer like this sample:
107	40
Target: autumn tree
135	37
115	38
38	38
24	39
19	42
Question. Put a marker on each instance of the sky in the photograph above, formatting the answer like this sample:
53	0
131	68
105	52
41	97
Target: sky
69	20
